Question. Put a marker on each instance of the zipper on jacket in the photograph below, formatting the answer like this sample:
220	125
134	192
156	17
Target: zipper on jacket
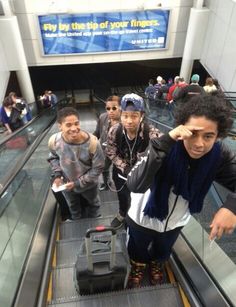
171	212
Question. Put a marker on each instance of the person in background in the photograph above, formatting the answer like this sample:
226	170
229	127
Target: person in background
209	86
150	92
45	100
170	82
77	160
125	142
175	174
172	88
180	84
10	116
22	106
190	90
105	122
52	98
217	85
163	90
158	84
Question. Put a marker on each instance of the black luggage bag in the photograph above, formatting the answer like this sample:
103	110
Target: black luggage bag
104	265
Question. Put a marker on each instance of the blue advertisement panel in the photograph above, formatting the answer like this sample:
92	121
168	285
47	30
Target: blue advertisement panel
104	32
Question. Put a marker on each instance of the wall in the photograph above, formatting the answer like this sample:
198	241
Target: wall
12	51
27	10
219	49
4	73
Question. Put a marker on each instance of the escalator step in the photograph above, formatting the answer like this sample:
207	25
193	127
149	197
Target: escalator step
64	284
164	295
77	229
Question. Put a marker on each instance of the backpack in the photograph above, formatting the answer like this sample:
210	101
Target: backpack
152	94
176	92
15	121
46	102
92	145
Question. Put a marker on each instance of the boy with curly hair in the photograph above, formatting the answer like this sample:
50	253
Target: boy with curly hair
175	174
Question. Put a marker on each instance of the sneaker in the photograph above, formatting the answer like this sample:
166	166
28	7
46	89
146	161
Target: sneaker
103	187
118	221
67	220
136	274
155	273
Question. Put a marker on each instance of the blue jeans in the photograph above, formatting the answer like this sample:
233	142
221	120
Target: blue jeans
145	247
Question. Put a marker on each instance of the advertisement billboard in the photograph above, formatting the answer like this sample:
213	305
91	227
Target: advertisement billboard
103	32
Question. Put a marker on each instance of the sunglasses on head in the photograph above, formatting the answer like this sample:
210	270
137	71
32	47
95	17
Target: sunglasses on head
112	108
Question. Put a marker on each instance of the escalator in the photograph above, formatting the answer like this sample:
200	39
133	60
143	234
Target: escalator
30	229
63	291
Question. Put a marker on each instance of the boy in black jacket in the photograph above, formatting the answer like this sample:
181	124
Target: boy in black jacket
175	174
105	122
125	142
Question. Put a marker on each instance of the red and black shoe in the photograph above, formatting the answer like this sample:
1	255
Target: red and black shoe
155	273
136	274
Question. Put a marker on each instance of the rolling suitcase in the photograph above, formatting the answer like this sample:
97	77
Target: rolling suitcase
104	266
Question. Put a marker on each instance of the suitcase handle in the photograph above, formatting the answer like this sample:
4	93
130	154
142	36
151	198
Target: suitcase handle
88	244
100	228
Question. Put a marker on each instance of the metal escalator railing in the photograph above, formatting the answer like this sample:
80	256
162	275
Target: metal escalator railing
18	222
43	113
21	205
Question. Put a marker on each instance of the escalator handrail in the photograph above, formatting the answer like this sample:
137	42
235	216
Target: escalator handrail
23	161
197	274
18	131
34	280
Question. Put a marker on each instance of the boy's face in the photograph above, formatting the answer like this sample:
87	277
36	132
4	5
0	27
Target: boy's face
201	141
113	109
70	128
131	120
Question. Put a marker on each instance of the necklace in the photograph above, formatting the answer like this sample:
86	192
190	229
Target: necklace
130	148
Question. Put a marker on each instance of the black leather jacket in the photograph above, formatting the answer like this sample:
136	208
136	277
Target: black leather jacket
142	174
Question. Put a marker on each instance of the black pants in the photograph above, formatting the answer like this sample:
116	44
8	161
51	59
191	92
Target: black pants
123	192
106	171
144	247
63	205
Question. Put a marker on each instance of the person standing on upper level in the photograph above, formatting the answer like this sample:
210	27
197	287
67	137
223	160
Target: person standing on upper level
209	86
190	90
52	98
